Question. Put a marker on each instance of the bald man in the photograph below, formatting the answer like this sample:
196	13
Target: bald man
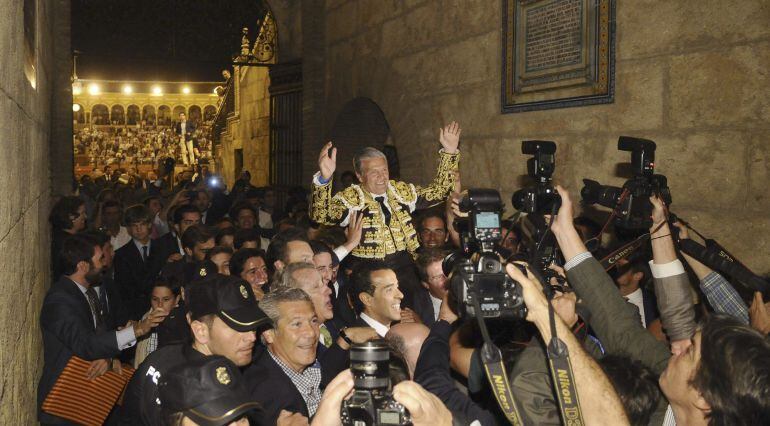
407	338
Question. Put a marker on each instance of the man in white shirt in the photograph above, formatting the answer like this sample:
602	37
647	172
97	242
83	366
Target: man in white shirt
377	298
435	285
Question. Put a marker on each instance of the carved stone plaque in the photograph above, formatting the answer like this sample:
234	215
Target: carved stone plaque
557	53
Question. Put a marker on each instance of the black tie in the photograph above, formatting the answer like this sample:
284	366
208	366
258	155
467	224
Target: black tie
384	209
144	253
93	301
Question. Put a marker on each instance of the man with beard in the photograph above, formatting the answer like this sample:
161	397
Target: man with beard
224	319
73	322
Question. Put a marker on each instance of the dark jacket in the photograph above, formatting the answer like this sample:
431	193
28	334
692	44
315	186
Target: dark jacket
139	403
135	277
189	129
271	387
423	306
68	330
616	322
166	245
432	373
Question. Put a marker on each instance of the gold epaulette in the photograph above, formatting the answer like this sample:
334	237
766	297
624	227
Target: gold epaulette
404	192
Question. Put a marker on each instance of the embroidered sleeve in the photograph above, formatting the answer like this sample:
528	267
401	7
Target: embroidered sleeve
442	184
328	210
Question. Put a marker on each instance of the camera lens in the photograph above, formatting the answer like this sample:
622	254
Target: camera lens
369	364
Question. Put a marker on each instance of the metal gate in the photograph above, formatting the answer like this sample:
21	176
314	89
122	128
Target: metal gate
285	128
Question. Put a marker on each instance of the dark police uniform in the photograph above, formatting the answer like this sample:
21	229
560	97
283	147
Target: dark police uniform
141	405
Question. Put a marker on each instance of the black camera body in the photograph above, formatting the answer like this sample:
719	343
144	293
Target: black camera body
372	402
478	277
542	198
631	203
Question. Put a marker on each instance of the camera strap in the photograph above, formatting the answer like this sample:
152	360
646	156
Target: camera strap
494	367
561	368
610	260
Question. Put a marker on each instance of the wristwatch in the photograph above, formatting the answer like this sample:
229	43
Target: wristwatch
345	337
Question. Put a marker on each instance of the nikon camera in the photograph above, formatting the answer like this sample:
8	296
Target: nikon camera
631	203
372	402
478	281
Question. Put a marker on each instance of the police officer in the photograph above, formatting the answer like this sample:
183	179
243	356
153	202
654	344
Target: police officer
224	319
208	392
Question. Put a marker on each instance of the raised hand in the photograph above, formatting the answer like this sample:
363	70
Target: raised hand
354	230
659	212
449	137
327	164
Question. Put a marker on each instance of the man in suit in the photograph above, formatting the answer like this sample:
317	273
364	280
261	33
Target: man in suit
427	300
137	263
184	130
169	246
287	375
376	296
73	323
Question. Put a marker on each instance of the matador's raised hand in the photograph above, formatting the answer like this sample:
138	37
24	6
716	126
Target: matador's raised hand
327	161
449	137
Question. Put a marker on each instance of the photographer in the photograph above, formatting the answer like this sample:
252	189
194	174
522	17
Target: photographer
723	378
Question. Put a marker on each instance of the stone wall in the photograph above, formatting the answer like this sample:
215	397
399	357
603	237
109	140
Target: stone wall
692	76
249	129
25	130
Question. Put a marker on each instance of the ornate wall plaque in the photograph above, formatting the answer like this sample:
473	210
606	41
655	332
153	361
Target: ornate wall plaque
557	54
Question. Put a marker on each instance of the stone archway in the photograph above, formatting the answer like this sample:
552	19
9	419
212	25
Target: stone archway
132	115
164	115
100	114
117	115
194	114
148	115
359	124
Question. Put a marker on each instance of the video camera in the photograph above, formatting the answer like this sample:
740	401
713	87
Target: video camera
631	203
372	402
542	198
478	281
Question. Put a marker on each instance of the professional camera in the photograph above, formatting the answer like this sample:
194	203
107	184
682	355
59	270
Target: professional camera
542	198
372	402
631	203
478	282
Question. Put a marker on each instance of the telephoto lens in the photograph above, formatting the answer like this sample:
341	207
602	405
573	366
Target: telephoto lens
369	364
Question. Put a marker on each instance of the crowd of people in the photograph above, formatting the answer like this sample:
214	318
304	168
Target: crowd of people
137	145
235	310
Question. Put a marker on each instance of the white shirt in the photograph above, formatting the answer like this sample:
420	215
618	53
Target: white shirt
380	328
121	239
125	337
637	299
436	306
265	220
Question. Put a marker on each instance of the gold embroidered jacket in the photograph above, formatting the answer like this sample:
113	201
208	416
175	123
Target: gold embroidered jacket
378	239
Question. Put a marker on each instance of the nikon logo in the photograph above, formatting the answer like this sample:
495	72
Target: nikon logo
564	386
501	395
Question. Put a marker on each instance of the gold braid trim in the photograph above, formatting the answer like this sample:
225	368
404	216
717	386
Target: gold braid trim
445	178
